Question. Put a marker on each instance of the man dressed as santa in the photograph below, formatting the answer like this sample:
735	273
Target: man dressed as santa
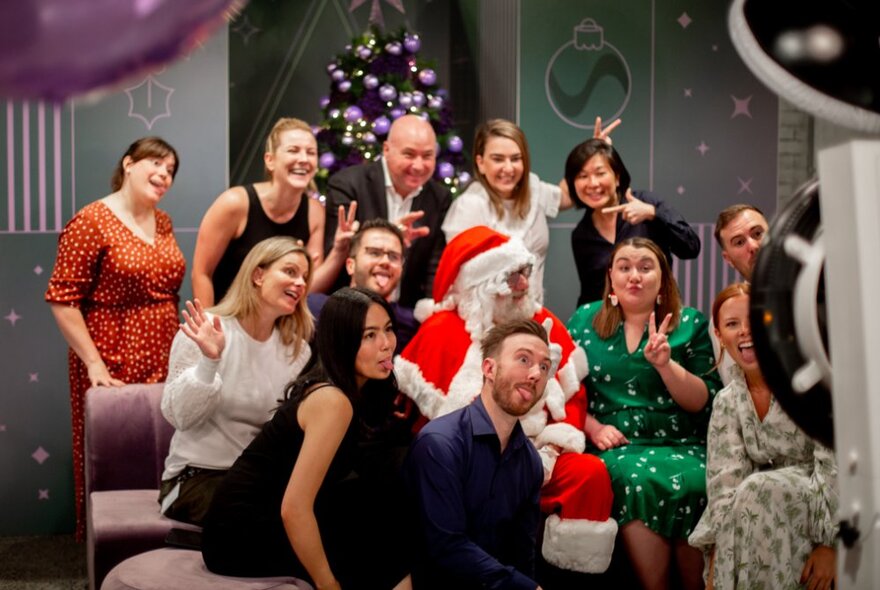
483	279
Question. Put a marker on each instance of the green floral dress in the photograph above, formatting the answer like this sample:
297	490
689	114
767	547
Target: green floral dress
772	494
660	477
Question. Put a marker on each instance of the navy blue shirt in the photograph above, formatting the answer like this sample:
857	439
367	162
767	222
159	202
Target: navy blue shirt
478	507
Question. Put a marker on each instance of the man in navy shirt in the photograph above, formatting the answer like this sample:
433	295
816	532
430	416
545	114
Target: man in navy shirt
474	476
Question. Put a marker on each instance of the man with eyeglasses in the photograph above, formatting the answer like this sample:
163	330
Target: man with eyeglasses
483	281
375	261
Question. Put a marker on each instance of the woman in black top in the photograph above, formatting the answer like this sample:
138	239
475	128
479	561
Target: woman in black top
312	495
600	183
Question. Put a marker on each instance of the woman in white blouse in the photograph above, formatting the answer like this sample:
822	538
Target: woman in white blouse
228	369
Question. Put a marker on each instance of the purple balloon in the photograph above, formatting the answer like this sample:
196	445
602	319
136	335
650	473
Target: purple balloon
394	48
405	99
412	43
338	75
344	86
353	114
387	92
325	100
55	49
326	160
397	113
427	77
418	98
454	144
370	81
445	170
381	125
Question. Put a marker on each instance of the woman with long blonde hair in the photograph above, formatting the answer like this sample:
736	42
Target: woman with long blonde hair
228	369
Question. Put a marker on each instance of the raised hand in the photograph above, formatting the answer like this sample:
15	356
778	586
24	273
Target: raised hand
207	333
346	226
608	437
633	211
657	350
410	233
604	134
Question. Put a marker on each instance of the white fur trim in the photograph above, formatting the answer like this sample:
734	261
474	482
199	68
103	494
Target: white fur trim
534	422
574	371
548	455
555	399
562	434
487	265
578	544
412	383
467	383
426	307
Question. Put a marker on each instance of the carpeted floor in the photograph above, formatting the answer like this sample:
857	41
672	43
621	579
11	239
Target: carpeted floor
42	563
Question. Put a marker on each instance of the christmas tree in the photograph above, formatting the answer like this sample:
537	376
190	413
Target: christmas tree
378	78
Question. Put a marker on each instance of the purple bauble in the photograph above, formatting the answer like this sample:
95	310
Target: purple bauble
325	100
337	75
387	92
331	67
353	114
405	99
394	48
344	86
326	160
364	52
454	144
445	170
435	102
334	113
418	98
347	140
397	113
427	77
370	81
381	125
368	137
464	178
412	43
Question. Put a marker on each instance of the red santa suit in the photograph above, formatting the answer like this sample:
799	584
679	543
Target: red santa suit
440	370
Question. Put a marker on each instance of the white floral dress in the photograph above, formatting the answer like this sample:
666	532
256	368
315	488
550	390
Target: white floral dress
772	494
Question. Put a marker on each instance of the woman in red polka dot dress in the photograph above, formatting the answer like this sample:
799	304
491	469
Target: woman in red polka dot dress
114	288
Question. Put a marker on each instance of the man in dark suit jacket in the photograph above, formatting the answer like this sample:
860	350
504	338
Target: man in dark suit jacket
394	188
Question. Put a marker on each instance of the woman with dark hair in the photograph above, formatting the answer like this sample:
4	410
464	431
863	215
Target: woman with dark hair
600	183
228	368
770	521
114	288
309	497
650	390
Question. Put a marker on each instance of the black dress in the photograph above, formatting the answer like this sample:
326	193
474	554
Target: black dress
357	507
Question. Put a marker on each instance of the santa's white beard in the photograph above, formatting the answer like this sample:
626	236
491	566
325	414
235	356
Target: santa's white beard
486	304
508	309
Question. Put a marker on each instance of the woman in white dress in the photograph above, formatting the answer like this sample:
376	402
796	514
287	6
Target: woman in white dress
772	490
228	369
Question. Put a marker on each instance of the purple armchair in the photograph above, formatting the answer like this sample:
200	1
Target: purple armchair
126	442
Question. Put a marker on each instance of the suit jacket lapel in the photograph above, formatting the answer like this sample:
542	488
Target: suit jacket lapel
377	179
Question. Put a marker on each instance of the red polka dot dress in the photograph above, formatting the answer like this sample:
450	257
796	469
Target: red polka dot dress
126	290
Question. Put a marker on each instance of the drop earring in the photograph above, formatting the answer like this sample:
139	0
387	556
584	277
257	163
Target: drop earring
613	299
659	300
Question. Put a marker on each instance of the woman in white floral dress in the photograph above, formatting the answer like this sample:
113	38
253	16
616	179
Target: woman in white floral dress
772	490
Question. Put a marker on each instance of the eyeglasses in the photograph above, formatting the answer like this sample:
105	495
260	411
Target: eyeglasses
378	253
514	275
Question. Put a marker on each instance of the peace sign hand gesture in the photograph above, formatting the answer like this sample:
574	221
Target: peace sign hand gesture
604	134
410	232
207	333
657	351
346	227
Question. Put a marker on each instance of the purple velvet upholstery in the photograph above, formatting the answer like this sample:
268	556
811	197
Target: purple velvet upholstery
126	441
172	569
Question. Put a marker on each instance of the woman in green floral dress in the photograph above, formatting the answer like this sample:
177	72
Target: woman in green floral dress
772	490
650	390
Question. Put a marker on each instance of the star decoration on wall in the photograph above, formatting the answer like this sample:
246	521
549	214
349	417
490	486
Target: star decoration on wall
745	186
149	101
703	148
741	106
684	20
12	317
680	190
40	455
376	16
38	270
2	428
245	29
688	92
33	377
42	494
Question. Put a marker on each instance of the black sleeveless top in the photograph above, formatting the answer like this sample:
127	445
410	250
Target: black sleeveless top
258	228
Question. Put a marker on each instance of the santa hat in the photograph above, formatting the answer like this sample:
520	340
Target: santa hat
475	255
